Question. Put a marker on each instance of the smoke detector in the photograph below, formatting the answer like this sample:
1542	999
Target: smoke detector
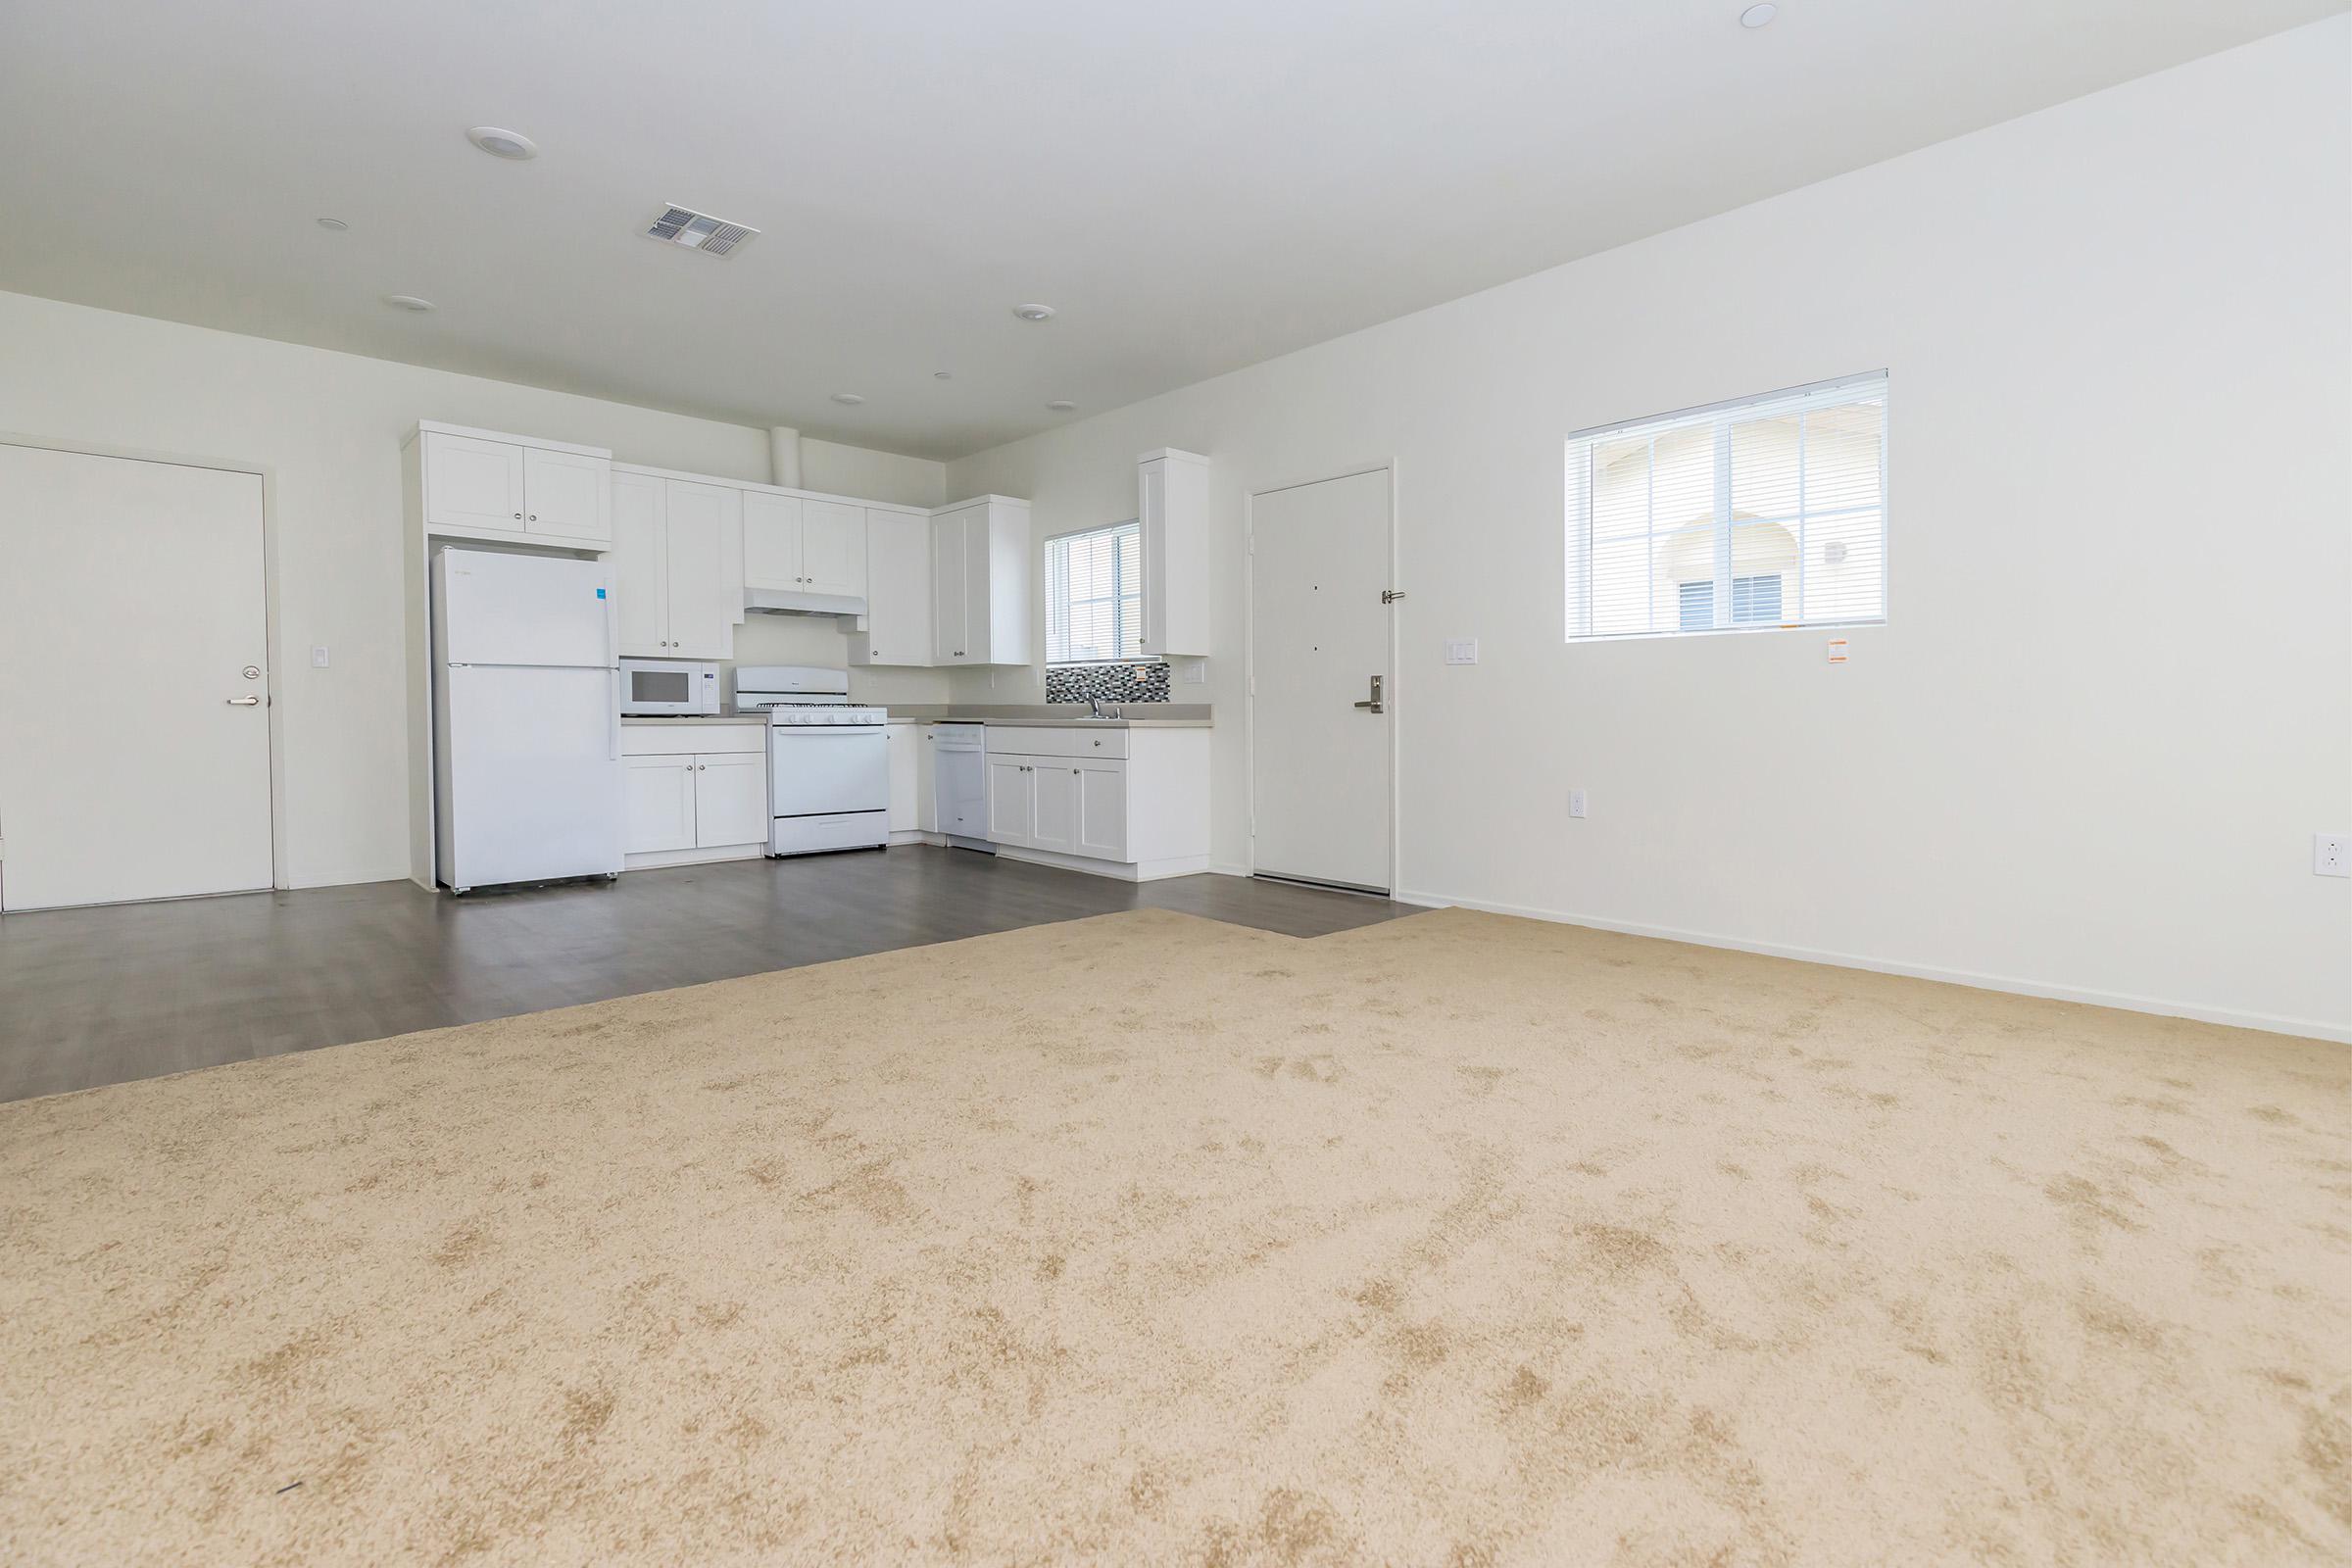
699	231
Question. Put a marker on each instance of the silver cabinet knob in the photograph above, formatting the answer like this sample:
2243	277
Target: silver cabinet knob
534	516
519	516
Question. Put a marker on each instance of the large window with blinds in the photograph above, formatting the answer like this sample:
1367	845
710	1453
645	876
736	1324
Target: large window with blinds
1764	512
1094	595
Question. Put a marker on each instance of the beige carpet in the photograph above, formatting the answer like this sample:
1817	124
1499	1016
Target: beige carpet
1150	1240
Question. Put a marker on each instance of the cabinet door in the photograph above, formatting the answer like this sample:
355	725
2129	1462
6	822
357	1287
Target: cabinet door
659	804
949	604
471	484
1054	792
730	799
904	771
1102	810
567	495
978	628
833	548
703	518
1152	527
926	779
898	591
1012	801
771	541
640	568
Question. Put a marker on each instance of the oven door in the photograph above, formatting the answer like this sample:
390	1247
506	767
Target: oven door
820	769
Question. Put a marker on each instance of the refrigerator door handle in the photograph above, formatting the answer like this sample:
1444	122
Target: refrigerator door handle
613	653
615	715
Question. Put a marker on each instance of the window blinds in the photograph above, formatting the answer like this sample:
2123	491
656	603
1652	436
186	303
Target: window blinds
1765	512
1094	595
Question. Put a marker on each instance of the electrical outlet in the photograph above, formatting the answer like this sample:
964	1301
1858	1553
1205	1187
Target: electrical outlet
1576	803
1195	674
2331	855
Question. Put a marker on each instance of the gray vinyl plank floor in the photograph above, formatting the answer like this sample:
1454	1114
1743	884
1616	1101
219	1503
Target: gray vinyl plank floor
101	996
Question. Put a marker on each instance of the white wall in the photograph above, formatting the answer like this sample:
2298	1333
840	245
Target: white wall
871	475
327	428
2114	699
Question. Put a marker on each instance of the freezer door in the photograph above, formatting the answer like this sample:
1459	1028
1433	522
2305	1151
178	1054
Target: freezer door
531	774
816	769
491	608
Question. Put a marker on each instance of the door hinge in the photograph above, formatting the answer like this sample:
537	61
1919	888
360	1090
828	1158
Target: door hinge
1389	596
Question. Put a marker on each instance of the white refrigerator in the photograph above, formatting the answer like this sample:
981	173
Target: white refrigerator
527	719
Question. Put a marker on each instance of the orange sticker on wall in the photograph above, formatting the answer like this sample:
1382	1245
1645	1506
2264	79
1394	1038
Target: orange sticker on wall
1837	650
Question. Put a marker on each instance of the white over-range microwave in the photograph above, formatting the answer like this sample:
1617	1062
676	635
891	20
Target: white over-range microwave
669	686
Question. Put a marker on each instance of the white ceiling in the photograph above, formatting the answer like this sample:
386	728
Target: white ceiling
1196	186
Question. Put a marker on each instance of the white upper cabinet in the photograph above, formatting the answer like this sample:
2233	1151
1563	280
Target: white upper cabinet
677	559
471	483
833	548
1172	513
804	544
480	485
897	590
771	541
639	560
980	570
567	494
705	524
948	609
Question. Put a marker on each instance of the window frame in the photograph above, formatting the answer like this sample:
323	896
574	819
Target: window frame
1577	530
1121	596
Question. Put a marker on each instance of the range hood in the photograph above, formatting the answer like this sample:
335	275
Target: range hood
779	602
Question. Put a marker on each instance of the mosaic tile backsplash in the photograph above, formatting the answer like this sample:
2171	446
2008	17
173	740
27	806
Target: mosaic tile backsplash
1114	683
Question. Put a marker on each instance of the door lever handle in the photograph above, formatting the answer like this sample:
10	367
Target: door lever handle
244	702
1373	701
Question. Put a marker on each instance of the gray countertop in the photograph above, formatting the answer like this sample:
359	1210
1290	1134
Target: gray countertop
1058	715
1045	716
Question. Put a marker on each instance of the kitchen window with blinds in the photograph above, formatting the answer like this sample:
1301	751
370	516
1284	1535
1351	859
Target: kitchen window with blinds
1094	595
1764	512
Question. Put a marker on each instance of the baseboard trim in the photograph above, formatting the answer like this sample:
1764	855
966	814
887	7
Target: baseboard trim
1117	870
2163	1007
657	859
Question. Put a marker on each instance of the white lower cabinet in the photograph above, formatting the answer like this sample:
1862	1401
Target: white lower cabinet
659	804
906	779
1124	803
730	799
683	806
1102	827
1012	801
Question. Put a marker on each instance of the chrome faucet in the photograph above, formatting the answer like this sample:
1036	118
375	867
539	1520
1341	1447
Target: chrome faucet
1095	708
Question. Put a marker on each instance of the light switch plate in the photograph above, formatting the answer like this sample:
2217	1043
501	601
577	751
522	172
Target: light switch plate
1461	650
1195	674
318	656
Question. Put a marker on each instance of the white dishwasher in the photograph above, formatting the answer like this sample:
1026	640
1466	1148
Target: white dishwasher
960	783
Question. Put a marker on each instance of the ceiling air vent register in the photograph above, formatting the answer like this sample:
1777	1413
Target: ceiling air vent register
714	236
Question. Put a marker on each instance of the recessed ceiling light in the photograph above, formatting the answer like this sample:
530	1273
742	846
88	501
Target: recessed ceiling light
334	224
849	398
408	302
1034	313
1061	404
508	144
1758	15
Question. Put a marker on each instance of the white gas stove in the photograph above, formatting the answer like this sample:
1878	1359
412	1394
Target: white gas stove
828	758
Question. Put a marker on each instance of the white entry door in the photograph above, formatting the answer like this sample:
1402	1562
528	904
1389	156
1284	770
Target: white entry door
1319	651
134	725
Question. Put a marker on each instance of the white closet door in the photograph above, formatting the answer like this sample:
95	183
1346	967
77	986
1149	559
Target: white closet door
140	581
